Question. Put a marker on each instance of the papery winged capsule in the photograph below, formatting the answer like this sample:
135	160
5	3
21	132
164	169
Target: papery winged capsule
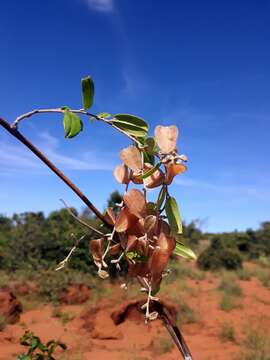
131	157
125	220
110	216
166	138
121	174
172	170
96	248
135	202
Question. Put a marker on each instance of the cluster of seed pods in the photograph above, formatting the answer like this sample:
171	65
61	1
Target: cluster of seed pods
141	233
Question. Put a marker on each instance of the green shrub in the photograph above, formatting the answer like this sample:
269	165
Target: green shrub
63	316
36	349
229	286
2	323
256	345
244	274
229	302
219	256
227	332
163	345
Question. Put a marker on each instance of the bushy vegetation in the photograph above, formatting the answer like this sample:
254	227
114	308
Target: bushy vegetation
32	241
228	250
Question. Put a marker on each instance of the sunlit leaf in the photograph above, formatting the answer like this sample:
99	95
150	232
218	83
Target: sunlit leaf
72	124
88	90
173	215
151	171
151	145
131	124
155	179
161	196
184	251
148	158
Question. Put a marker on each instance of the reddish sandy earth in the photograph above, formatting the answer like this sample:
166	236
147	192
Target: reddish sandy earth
92	334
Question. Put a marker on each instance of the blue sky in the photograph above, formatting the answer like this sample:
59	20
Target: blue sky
203	65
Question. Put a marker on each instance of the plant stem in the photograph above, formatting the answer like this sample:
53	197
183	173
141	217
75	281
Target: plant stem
29	114
14	132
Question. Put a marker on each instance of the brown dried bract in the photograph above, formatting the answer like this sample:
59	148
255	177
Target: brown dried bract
96	248
125	220
121	174
166	138
172	170
131	157
135	202
110	216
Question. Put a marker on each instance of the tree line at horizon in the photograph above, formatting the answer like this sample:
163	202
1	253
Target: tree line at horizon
34	241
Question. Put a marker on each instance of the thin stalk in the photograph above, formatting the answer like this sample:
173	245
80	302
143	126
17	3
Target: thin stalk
29	114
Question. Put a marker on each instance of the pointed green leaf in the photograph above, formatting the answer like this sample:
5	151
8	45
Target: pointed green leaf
88	90
131	124
173	215
151	145
72	124
150	171
150	159
161	197
184	251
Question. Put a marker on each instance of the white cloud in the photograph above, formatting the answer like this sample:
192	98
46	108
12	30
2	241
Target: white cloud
16	157
105	6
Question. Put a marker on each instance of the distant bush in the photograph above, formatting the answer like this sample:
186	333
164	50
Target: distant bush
218	255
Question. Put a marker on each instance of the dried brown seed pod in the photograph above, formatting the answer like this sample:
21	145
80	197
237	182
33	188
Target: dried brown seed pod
138	269
166	138
166	242
135	202
121	174
96	248
115	249
125	220
135	177
131	157
110	216
172	170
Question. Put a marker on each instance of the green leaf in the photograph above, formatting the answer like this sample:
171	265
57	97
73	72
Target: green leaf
72	124
184	251
173	215
131	124
104	115
132	255
150	171
88	90
151	146
150	159
24	357
161	197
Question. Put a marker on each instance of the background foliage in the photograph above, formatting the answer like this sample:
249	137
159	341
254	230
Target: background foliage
33	241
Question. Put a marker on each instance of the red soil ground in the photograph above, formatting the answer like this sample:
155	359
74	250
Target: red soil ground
93	335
